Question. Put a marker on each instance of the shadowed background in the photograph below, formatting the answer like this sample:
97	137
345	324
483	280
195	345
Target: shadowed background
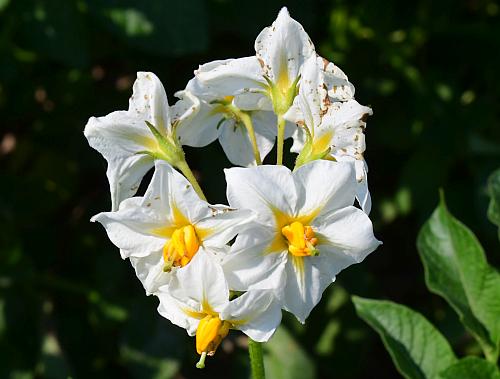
70	307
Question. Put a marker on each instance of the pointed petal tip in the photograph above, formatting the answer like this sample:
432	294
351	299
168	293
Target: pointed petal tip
95	218
284	12
145	75
89	126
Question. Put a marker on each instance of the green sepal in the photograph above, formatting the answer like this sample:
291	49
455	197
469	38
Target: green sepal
282	101
307	153
169	148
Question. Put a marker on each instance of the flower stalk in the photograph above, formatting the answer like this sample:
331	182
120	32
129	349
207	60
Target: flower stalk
280	140
246	120
256	359
184	168
170	150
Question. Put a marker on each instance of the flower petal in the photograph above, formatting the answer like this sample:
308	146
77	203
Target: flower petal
236	144
350	113
345	237
119	137
253	99
175	311
339	87
325	186
283	47
227	78
175	194
149	100
149	270
200	128
222	227
362	193
264	189
202	281
130	227
305	283
250	263
264	124
312	100
257	313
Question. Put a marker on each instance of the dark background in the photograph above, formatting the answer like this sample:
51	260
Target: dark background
69	306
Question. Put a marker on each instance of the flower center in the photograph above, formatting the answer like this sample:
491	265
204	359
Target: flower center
211	330
181	248
301	239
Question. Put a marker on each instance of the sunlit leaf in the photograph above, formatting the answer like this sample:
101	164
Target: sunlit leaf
456	268
417	348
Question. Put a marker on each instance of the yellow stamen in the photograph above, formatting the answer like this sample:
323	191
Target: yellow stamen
301	239
181	248
211	330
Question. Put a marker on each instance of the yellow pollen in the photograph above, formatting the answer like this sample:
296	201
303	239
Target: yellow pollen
211	330
301	239
181	248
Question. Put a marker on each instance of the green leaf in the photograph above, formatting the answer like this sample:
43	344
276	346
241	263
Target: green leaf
456	268
471	368
285	359
494	192
417	348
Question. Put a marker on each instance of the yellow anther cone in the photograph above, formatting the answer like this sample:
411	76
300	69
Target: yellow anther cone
181	248
211	330
301	239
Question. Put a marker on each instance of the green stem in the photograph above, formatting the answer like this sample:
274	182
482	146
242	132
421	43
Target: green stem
247	121
256	359
184	167
281	139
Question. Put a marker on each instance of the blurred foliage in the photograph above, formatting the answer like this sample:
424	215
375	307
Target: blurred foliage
70	307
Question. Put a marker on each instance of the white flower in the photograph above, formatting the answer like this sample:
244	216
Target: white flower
198	299
335	128
128	143
165	229
268	80
306	231
218	118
